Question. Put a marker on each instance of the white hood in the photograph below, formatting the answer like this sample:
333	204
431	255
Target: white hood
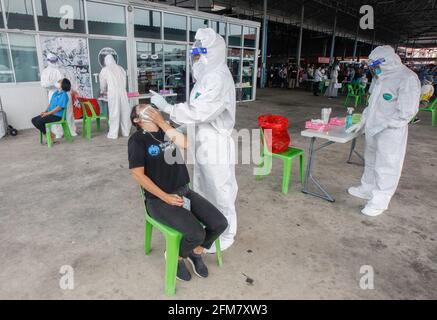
392	60
216	49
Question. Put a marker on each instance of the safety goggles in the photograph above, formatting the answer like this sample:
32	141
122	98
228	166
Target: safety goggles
375	63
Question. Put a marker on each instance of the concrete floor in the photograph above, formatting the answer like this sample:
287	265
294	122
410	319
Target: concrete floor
77	205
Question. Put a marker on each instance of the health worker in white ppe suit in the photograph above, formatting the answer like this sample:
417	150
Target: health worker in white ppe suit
49	78
112	80
393	102
211	112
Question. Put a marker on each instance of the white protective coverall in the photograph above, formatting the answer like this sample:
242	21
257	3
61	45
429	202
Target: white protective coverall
331	91
393	102
211	111
112	80
49	76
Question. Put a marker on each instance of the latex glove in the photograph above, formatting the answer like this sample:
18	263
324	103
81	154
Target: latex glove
355	127
160	102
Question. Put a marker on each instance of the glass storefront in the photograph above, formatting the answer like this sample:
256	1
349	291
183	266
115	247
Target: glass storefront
82	32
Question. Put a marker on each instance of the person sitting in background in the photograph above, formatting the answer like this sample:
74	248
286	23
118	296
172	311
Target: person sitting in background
166	188
55	110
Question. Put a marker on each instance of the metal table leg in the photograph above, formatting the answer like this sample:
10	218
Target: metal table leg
352	151
309	175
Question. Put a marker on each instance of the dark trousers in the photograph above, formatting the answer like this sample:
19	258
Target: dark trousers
40	122
189	222
316	85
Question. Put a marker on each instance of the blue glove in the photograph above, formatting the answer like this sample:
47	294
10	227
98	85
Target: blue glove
160	102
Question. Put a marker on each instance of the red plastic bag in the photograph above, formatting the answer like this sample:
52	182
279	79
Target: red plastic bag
78	113
280	139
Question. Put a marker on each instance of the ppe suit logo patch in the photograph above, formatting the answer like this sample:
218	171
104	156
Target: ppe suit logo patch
154	150
387	96
197	95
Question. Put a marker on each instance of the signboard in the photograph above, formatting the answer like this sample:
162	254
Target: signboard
323	60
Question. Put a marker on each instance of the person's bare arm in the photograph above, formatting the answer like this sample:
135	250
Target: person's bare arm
139	176
177	137
47	113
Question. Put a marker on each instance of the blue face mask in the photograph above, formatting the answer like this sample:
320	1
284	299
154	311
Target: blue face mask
377	71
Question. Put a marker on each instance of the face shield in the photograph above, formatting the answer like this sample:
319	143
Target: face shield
198	59
52	59
375	66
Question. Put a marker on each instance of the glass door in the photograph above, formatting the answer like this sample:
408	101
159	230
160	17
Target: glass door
149	67
248	74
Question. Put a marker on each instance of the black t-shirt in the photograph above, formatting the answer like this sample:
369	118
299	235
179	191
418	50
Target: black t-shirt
150	150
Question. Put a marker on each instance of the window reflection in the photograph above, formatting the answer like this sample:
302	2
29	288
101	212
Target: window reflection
248	72
249	37
175	70
147	24
6	72
235	35
234	63
149	67
106	19
23	51
19	14
175	27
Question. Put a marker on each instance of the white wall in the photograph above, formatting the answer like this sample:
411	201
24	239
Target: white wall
22	102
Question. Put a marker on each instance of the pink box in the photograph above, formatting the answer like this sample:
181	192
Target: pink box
337	121
133	94
316	126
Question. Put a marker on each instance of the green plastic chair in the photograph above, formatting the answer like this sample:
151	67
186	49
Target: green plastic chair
323	86
431	108
354	94
287	157
172	242
65	128
88	121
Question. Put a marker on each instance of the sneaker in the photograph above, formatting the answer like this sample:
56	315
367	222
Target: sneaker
417	120
359	193
371	212
183	274
198	265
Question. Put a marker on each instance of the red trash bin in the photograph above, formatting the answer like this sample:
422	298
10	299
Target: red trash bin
280	139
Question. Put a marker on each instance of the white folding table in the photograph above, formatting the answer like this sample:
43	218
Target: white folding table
335	134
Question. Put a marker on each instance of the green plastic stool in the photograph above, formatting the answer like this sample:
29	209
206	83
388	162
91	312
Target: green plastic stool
431	108
354	94
172	242
287	157
88	121
65	128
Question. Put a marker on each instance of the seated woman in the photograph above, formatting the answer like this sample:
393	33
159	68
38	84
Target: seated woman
157	165
53	113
